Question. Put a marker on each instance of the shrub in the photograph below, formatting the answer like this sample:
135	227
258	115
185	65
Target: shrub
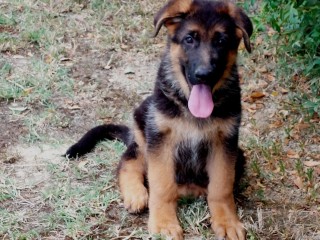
297	23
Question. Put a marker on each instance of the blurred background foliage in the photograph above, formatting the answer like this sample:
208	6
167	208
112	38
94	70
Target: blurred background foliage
297	39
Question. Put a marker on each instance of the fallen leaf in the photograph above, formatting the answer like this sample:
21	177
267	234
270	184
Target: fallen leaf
296	77
18	109
311	163
251	110
48	59
295	135
298	182
259	40
82	165
271	32
124	46
262	84
276	124
65	59
277	170
28	90
241	46
293	172
18	57
257	94
301	126
74	107
316	156
241	80
284	113
246	99
259	105
284	91
129	70
292	154
263	69
260	184
270	77
90	35
159	45
107	187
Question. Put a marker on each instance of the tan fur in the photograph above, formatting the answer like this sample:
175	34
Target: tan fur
239	33
191	190
163	193
175	50
216	29
169	12
135	194
232	9
139	138
220	194
231	60
184	128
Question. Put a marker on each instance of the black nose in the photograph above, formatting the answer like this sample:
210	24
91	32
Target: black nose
202	73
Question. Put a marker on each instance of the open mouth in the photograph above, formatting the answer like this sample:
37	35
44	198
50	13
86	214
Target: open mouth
200	102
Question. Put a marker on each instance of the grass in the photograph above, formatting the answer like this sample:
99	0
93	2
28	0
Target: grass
63	70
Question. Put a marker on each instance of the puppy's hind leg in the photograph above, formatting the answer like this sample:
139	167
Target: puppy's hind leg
131	179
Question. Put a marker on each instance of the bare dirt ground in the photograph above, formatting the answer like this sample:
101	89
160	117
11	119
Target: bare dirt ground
45	196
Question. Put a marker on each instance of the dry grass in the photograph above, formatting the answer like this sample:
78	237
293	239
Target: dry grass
66	66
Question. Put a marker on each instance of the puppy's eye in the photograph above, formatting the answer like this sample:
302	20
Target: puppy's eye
189	39
222	41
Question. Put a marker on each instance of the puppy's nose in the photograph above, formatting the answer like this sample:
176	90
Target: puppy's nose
202	73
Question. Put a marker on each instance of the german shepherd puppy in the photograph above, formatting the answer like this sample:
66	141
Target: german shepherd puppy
184	140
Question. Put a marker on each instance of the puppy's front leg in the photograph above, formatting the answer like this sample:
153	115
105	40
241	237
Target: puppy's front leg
221	170
163	196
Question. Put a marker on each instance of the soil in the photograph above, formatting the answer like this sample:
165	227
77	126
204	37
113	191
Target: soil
11	128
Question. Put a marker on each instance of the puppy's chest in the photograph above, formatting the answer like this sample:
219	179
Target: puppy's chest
191	147
190	156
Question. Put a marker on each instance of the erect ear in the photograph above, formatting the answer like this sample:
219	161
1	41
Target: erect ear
171	15
244	23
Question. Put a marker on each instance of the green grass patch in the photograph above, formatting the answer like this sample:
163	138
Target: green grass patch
8	188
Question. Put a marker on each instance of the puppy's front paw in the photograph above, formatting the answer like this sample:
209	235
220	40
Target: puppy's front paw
135	198
229	228
171	230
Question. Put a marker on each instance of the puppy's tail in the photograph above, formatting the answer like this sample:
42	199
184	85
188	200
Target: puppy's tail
103	132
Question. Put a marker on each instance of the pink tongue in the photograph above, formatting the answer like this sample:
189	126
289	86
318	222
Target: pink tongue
200	101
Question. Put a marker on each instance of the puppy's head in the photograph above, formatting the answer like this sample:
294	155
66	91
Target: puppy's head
204	37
